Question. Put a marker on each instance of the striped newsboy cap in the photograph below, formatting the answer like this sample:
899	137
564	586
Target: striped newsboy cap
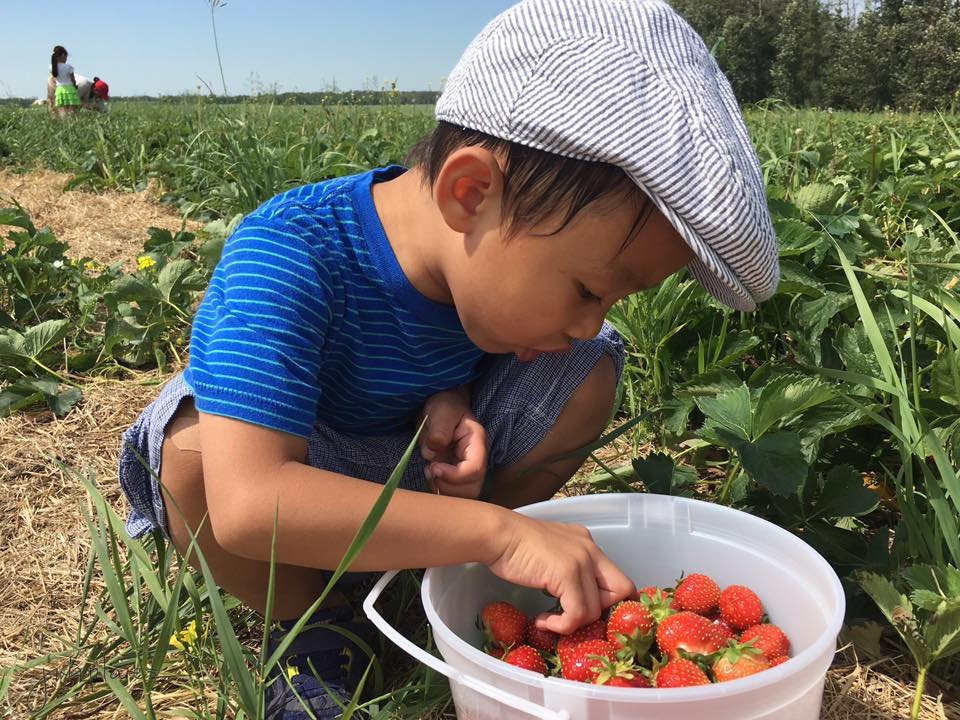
629	82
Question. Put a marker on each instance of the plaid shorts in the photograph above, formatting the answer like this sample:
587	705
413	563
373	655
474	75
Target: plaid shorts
517	403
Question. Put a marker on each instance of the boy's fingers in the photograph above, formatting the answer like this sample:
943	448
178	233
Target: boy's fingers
612	583
580	604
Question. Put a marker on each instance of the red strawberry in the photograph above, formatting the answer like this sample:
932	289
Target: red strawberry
722	631
637	681
527	658
740	607
596	630
778	660
739	661
503	624
658	602
768	639
620	672
543	640
495	651
584	662
696	593
689	632
680	672
630	625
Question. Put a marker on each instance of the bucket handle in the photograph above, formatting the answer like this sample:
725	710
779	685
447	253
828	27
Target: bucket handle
494	693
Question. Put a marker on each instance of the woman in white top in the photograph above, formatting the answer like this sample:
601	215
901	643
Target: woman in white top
66	99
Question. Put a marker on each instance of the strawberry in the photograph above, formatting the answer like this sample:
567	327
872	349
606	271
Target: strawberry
621	672
722	631
689	632
778	660
658	602
638	681
527	658
585	662
543	640
740	607
739	661
680	672
504	625
696	593
596	630
768	639
631	626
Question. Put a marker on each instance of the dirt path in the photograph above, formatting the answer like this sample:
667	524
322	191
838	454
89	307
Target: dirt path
108	227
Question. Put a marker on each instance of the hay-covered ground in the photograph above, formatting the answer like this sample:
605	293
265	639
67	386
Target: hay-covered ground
43	539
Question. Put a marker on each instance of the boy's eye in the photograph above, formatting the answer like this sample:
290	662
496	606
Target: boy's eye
586	294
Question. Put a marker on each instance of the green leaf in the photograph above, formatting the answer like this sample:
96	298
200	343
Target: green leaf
844	495
796	237
40	338
945	378
922	577
735	347
172	276
656	472
125	698
896	607
817	198
926	600
12	346
794	278
942	634
813	316
786	397
776	462
730	410
130	288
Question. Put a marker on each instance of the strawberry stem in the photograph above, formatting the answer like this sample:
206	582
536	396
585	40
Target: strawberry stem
918	695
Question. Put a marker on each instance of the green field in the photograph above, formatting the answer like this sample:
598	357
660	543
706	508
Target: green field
834	411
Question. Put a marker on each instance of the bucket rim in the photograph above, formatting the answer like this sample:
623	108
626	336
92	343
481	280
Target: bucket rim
805	660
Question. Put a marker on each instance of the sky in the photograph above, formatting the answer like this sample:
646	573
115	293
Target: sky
153	47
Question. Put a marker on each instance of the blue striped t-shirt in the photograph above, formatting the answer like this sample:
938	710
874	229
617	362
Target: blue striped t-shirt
309	318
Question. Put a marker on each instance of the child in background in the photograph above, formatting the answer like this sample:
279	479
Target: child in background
585	150
66	98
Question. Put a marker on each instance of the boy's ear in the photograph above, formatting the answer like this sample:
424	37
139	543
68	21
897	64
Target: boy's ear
468	188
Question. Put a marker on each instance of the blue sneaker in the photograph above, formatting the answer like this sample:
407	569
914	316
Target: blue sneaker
317	654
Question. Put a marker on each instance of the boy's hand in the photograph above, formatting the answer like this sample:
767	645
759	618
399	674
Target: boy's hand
563	560
455	445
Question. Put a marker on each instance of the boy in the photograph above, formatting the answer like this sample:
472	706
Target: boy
585	150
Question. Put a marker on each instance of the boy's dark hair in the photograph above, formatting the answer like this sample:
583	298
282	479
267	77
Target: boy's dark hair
538	185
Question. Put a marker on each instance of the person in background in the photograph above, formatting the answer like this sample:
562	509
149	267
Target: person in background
91	96
101	91
66	98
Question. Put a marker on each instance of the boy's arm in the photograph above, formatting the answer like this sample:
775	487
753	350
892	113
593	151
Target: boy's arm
251	472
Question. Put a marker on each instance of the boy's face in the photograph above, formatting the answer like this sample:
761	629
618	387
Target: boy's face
535	292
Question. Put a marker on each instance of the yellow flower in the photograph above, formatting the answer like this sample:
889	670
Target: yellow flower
144	262
189	636
185	638
90	264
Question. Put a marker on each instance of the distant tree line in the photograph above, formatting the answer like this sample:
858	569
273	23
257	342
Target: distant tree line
902	54
336	97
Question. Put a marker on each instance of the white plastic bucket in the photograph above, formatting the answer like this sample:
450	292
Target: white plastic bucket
652	538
